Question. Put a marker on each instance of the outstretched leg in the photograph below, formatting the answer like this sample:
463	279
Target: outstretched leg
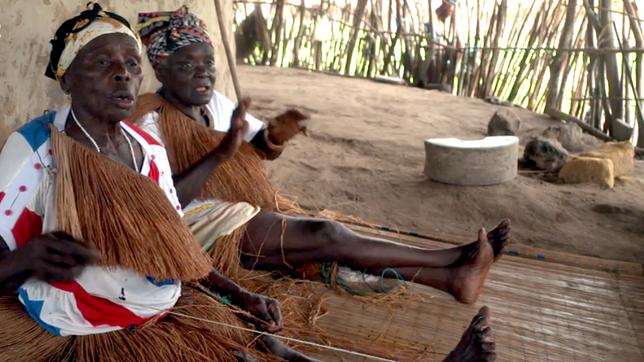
277	241
274	241
476	344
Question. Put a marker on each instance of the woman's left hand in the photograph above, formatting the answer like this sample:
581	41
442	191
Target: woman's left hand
267	312
286	126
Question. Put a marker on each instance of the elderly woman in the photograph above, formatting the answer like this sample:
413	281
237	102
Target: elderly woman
228	224
91	233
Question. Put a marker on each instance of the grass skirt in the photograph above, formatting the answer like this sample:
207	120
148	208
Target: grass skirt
172	338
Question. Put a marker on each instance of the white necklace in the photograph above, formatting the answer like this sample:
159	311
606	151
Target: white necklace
98	149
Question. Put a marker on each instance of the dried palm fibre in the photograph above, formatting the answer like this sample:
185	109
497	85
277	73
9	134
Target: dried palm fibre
242	178
124	215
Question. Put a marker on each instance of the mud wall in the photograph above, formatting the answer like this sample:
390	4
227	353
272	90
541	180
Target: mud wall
27	27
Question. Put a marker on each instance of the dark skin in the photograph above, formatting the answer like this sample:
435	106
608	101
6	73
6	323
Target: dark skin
188	79
103	81
460	271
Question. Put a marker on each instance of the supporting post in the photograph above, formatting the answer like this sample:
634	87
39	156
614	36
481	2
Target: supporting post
229	54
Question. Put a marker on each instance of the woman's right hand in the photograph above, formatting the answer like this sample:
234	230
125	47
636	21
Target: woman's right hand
55	257
235	135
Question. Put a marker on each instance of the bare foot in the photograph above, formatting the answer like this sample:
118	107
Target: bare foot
499	238
469	276
476	344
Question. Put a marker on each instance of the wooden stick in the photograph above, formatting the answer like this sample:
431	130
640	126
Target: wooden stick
298	37
570	65
498	33
357	20
612	69
277	30
229	54
556	68
640	115
639	67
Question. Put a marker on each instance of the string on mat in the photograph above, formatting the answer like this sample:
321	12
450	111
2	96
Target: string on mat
262	333
289	339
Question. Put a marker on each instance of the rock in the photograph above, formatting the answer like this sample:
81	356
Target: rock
570	136
544	154
504	122
622	154
621	131
588	169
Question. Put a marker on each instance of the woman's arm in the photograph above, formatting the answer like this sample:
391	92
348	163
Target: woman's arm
190	182
265	311
265	147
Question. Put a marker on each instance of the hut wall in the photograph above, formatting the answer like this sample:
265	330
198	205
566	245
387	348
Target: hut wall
27	27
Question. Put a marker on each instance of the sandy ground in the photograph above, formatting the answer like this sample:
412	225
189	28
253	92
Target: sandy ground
365	157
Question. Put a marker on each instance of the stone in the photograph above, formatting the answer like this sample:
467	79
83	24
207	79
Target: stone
544	154
488	161
588	169
569	135
504	122
622	154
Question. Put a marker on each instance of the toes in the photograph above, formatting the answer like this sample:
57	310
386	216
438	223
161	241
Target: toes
488	347
482	235
484	311
480	321
486	334
489	357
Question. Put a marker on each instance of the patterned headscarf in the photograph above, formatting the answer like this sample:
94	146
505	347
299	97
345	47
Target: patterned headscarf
78	31
168	31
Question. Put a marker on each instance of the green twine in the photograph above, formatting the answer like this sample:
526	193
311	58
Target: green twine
325	273
223	299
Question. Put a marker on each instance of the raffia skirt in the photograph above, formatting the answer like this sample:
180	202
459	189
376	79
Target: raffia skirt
187	334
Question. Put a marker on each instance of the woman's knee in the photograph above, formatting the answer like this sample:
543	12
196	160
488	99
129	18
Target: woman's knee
331	233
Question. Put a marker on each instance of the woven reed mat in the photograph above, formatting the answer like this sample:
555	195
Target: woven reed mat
541	311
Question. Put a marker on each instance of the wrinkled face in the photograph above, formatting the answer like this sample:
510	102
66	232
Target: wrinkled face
188	75
104	78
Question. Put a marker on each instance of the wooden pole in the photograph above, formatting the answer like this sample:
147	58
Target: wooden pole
508	57
591	68
610	61
277	30
639	66
298	38
357	21
561	58
232	66
630	80
498	33
262	32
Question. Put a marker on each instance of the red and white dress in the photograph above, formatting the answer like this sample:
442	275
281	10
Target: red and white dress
101	299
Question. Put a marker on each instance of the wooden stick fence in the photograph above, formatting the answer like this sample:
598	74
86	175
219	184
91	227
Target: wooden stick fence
527	55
